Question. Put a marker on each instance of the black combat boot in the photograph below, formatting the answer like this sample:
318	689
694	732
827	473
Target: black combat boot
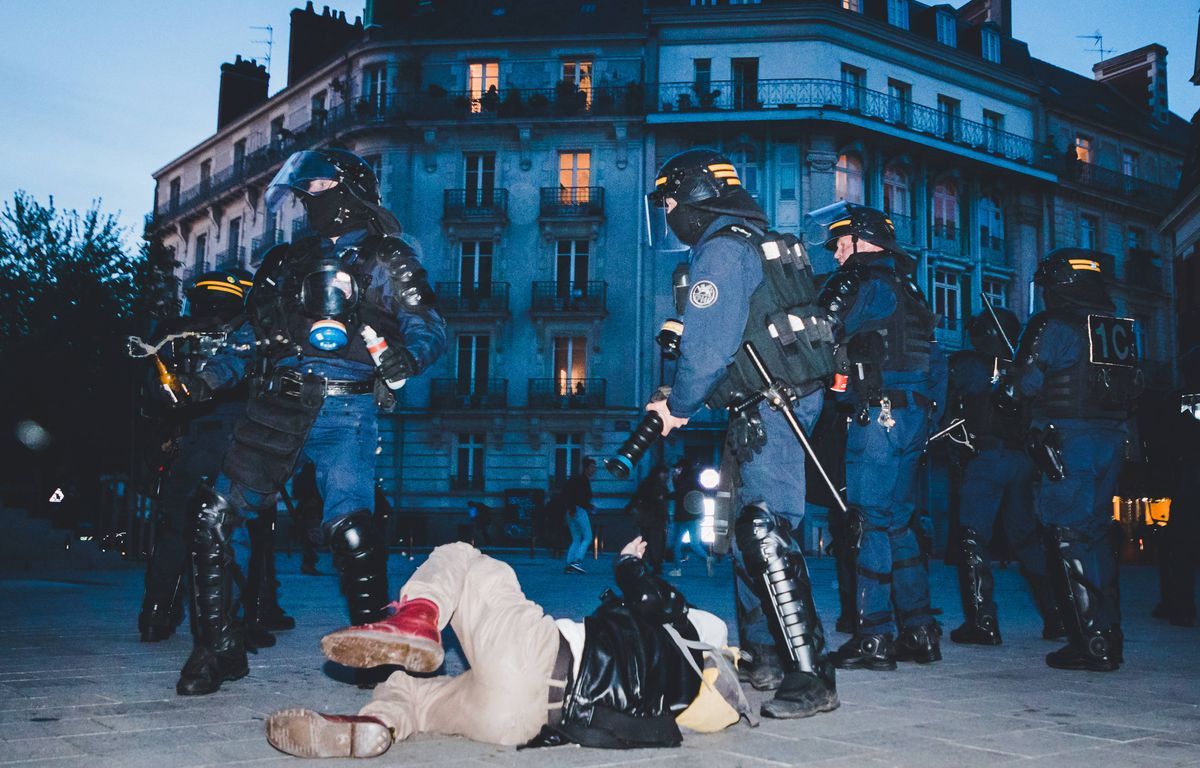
863	651
161	612
1074	572
763	671
218	654
981	626
919	644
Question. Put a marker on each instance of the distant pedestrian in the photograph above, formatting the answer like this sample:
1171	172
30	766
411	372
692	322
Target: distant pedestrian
577	498
481	521
651	500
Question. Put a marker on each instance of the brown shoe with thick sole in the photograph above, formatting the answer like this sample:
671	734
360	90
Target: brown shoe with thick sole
408	638
305	733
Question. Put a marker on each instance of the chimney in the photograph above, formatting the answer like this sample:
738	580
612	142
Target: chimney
317	37
1140	76
998	12
243	87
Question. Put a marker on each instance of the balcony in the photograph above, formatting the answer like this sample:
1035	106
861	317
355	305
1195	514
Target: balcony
770	97
566	394
992	252
475	205
462	482
300	228
572	202
473	299
468	395
946	240
906	230
552	298
260	245
564	100
1149	194
232	257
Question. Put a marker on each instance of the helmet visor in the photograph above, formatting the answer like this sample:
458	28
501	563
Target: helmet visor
662	237
328	291
820	226
307	173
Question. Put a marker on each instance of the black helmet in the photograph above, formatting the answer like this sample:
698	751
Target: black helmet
704	184
338	188
986	339
217	294
861	222
1072	276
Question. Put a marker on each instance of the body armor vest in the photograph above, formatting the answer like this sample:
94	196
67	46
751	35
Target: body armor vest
908	333
1094	387
978	407
792	334
281	325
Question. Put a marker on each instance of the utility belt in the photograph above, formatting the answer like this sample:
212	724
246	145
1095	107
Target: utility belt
290	382
900	398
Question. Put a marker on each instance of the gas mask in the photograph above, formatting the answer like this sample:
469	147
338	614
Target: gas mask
330	295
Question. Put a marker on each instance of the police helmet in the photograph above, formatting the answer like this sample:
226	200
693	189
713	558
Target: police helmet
704	184
1072	276
861	222
220	293
338	189
986	339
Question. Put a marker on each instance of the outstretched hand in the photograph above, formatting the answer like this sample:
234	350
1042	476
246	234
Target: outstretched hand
636	548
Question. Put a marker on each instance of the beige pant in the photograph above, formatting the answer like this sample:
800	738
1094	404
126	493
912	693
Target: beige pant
508	640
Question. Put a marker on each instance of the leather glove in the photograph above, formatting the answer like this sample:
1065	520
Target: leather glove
747	436
397	364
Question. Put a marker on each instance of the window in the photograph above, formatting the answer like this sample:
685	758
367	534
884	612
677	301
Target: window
201	251
231	244
897	11
468	455
1130	163
480	179
848	179
997	293
568	450
853	82
571	268
789	164
579	75
482	77
574	169
947	34
702	78
374	87
205	175
1083	148
173	195
745	83
745	159
948	116
945	215
471	372
570	364
277	131
946	298
899	101
897	202
852	5
239	155
317	107
1089	231
990	43
993	129
991	225
1135	239
475	267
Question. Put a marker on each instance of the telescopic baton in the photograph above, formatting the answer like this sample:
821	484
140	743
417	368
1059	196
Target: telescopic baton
1012	350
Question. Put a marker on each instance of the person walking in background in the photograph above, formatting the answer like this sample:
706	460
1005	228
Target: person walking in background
650	500
577	498
687	521
481	521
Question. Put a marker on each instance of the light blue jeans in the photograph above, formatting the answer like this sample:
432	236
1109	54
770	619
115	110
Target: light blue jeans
580	526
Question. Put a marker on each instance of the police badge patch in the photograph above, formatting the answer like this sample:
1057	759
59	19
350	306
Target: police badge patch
704	294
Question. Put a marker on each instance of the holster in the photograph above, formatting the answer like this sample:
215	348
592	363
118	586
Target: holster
269	436
1044	446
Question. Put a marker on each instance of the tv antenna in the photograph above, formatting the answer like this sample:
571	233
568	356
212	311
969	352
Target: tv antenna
1098	43
269	42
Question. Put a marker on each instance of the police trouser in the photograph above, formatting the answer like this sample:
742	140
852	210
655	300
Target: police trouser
999	482
1092	452
775	477
881	481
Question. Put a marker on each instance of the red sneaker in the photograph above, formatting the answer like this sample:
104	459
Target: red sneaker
408	638
305	733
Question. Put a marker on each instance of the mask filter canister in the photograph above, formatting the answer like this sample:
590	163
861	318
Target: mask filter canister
328	335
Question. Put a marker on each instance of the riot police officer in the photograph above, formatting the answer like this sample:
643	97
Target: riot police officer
200	436
744	283
999	473
1078	366
313	306
885	333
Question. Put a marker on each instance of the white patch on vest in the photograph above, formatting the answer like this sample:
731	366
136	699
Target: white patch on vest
704	294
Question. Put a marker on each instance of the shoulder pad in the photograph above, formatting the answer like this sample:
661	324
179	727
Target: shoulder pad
268	273
842	287
1027	348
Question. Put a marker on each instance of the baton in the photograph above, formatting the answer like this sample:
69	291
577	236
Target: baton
948	432
772	393
999	328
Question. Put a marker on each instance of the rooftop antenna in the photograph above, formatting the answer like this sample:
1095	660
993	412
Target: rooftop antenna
1098	43
269	42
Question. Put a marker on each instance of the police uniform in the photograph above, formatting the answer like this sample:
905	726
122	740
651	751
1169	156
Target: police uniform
745	284
1078	366
321	393
885	327
999	475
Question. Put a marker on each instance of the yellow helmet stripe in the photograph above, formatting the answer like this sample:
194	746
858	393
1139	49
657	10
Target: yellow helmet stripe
733	181
842	223
1087	264
247	283
218	287
661	180
721	167
220	283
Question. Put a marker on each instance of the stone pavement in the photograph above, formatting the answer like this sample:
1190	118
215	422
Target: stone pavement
77	689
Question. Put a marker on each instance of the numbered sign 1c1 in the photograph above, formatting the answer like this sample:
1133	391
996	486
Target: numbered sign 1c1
1113	340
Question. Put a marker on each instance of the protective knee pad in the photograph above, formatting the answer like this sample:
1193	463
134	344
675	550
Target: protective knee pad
361	559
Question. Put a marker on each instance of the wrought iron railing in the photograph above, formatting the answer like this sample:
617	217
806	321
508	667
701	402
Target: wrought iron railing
475	203
732	95
474	298
231	257
263	243
300	228
946	240
468	394
566	296
906	231
566	394
572	201
992	251
1114	182
460	482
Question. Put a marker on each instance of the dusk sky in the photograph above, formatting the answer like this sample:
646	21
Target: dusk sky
99	95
